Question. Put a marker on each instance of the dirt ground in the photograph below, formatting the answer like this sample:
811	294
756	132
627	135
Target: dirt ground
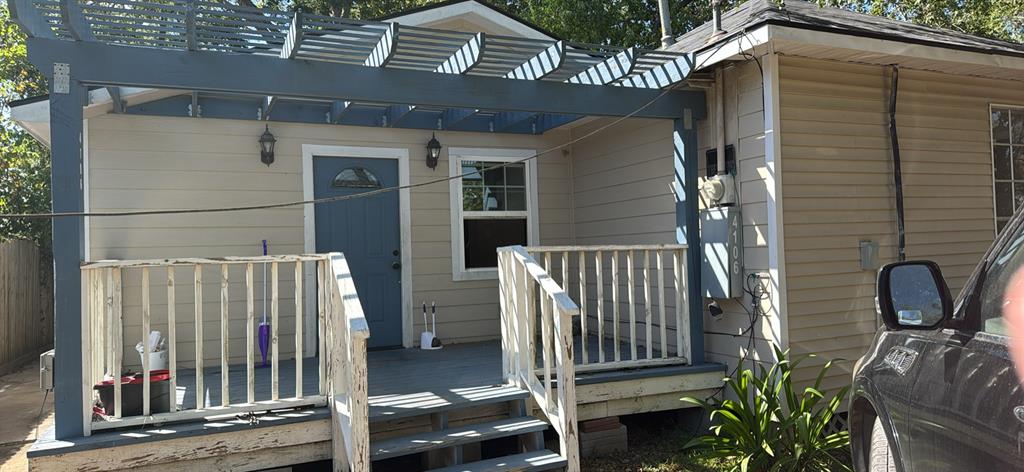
20	400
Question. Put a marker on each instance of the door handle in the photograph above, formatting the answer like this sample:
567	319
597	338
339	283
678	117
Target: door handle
396	265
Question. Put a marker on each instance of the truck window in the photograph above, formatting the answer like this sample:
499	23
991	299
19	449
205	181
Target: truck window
997	277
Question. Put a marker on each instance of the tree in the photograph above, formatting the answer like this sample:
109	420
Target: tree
998	19
24	163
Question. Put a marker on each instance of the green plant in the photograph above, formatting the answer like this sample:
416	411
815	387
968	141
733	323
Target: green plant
773	427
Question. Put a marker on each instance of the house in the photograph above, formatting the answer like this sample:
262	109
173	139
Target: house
579	163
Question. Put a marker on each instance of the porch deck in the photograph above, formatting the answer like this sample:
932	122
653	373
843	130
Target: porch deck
403	383
400	379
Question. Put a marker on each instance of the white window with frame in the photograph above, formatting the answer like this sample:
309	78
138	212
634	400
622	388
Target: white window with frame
1007	161
493	204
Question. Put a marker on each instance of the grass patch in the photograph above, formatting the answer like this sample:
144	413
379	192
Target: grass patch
656	445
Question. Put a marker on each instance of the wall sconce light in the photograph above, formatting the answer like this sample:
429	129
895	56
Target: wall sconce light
267	141
433	151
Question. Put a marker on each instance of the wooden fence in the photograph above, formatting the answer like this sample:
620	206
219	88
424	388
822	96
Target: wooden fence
26	305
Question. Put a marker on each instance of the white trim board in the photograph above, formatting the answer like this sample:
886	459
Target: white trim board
773	183
455	155
405	226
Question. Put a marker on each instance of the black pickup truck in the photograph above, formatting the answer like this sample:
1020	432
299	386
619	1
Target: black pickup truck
937	390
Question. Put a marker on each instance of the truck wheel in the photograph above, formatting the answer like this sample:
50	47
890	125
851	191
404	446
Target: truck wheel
880	454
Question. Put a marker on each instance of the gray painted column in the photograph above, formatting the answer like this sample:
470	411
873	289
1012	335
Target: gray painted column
68	253
684	139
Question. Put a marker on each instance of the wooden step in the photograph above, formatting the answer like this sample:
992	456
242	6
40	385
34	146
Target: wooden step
530	461
389	407
434	440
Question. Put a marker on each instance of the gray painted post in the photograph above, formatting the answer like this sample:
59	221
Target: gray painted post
68	253
684	139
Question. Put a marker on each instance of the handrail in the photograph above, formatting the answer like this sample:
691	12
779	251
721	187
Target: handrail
347	332
521	280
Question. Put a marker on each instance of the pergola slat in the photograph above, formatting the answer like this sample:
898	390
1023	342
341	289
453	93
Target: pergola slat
608	70
539	66
465	58
385	48
663	75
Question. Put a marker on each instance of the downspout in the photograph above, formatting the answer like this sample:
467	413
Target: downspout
896	171
666	24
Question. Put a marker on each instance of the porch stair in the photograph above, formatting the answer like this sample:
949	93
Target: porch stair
443	445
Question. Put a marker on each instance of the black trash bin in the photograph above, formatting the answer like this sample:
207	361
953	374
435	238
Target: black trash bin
131	394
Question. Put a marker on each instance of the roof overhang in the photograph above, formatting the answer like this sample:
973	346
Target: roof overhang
804	42
34	115
483	17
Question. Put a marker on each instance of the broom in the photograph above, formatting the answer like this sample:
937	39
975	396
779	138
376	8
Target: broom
264	330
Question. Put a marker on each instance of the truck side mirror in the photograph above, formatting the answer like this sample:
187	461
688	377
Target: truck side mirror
913	295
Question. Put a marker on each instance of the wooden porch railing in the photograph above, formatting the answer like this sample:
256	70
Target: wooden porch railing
342	330
635	328
525	286
347	332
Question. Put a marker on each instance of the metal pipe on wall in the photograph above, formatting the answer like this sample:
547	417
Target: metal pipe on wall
897	173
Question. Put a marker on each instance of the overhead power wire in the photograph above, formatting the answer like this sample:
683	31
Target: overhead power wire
315	201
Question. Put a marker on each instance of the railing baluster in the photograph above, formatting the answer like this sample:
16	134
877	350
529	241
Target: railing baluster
565	269
584	352
321	313
531	322
108	321
172	342
546	339
200	391
250	328
525	337
616	339
298	329
682	307
118	340
600	305
632	305
648	334
661	304
225	392
145	343
274	387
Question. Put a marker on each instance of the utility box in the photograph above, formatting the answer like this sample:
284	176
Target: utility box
721	231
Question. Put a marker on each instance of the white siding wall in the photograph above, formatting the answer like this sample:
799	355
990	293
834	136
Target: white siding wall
622	193
728	337
837	189
149	162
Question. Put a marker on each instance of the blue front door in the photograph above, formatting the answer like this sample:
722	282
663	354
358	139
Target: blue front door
367	231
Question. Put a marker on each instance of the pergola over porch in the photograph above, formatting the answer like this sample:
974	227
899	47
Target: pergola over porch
301	67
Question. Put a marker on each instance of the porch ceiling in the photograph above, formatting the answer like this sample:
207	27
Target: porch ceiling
294	66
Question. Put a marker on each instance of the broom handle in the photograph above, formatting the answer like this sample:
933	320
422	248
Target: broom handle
264	283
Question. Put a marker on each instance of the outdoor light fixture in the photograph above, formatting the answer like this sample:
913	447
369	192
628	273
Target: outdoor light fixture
267	141
433	151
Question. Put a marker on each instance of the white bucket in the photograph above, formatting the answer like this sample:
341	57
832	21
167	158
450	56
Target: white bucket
157	360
